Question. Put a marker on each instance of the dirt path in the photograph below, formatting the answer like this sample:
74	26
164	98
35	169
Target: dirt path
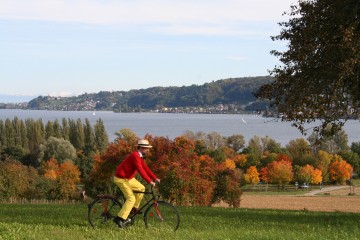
325	189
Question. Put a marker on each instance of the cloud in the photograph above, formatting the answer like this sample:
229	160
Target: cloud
174	17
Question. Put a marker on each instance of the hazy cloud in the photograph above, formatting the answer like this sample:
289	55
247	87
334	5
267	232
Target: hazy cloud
174	17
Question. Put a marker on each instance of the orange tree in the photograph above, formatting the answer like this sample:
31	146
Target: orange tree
64	176
189	177
185	177
340	171
279	172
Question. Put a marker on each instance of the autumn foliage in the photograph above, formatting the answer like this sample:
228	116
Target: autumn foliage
340	171
65	174
278	172
187	178
252	175
309	174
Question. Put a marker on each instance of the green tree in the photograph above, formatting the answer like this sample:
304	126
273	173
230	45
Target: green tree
300	151
77	137
65	129
49	129
57	129
101	136
330	143
89	137
127	135
59	149
355	147
35	134
236	142
320	73
9	134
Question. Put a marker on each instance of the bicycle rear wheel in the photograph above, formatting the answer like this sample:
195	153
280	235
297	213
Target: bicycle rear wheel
102	210
162	215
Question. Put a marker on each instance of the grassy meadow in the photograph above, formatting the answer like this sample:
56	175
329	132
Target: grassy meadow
69	221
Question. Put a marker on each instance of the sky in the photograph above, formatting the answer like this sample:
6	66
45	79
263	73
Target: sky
71	47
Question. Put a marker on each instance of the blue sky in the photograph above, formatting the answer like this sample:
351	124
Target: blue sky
69	47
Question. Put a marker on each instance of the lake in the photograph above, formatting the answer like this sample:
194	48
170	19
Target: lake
175	124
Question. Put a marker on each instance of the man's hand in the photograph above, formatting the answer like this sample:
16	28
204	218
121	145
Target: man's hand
157	181
152	184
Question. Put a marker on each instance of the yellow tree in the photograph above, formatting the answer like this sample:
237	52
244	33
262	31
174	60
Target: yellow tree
229	164
240	160
323	160
252	175
316	176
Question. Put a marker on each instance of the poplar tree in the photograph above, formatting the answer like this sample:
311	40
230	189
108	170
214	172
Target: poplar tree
49	130
89	136
65	129
57	129
101	136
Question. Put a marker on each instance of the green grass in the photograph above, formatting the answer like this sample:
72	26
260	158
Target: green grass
69	221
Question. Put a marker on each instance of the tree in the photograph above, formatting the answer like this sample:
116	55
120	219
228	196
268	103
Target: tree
340	171
101	136
236	142
300	152
49	130
252	175
323	161
89	137
11	185
127	135
308	174
280	172
59	149
66	175
69	176
331	143
320	75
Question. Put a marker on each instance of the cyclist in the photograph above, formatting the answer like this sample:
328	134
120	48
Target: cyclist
124	179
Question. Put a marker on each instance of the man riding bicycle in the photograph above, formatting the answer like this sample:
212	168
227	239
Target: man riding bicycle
124	179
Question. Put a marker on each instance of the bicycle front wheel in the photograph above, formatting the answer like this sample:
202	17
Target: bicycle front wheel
162	215
102	210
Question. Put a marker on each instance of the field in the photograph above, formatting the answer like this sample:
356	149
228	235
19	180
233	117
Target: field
326	215
69	221
328	201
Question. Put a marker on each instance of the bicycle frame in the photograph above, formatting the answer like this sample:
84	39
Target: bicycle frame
154	199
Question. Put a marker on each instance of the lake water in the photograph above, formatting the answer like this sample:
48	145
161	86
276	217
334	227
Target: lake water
173	125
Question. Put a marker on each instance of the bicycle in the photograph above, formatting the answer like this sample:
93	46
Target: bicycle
157	213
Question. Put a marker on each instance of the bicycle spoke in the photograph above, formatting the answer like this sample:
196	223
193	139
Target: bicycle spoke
102	211
163	215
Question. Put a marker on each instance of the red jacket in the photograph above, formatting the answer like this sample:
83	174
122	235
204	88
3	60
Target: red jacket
132	164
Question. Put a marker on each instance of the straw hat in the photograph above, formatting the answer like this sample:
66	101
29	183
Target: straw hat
144	143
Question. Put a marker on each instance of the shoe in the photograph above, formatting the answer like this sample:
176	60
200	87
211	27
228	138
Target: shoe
134	210
121	222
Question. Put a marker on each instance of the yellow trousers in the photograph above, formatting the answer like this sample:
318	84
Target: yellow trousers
132	199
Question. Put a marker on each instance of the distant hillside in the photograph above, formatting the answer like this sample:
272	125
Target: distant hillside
230	95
